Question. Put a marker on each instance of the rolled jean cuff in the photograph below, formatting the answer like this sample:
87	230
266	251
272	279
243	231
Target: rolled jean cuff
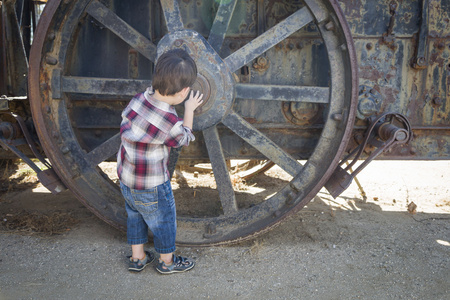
137	241
166	250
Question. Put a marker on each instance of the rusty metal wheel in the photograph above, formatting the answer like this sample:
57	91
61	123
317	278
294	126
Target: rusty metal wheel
281	86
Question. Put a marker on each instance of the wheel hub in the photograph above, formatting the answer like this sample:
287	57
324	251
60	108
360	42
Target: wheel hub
214	78
202	84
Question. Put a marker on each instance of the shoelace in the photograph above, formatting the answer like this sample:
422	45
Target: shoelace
181	261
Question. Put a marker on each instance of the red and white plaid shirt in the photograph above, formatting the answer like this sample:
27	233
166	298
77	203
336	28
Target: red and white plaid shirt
149	128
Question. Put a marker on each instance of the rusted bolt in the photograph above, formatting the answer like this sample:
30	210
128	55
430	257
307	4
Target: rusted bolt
65	150
233	46
437	100
392	7
7	130
47	109
51	60
337	117
413	151
440	46
299	45
329	26
262	61
290	197
211	229
291	46
178	43
294	188
277	213
51	36
279	46
359	138
421	61
369	46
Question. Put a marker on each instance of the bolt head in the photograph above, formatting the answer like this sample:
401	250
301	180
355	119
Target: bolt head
437	100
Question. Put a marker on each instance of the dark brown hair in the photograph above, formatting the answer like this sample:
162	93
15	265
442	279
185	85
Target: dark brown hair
174	71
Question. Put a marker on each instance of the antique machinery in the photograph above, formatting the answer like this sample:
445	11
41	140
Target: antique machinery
306	85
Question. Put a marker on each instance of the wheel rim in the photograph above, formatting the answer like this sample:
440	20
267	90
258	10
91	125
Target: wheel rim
55	85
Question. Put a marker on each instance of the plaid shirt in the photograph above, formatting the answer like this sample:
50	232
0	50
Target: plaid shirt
149	128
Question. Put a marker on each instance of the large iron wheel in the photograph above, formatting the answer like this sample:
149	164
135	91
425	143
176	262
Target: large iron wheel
83	71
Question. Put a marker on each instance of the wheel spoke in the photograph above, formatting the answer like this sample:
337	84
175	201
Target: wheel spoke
220	24
262	143
310	94
127	33
269	39
220	170
172	15
105	150
101	86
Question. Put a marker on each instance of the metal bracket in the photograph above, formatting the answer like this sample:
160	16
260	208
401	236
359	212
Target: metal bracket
419	60
384	132
47	177
389	36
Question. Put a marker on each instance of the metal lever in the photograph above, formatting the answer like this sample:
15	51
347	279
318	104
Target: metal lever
47	177
419	60
384	132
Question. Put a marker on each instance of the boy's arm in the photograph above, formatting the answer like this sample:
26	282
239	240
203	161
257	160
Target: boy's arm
190	105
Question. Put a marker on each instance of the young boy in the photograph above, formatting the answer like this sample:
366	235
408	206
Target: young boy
149	128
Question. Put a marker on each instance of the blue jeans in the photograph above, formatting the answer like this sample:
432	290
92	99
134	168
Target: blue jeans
155	209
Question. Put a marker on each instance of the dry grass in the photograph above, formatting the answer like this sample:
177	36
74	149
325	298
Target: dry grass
255	248
238	183
37	223
16	175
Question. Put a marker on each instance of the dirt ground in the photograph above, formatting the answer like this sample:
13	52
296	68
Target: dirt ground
344	248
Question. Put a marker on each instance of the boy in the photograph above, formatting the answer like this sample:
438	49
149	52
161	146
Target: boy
149	128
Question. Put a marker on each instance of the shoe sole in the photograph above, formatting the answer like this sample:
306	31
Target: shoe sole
137	270
175	271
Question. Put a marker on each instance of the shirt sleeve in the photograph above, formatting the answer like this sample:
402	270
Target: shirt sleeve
179	136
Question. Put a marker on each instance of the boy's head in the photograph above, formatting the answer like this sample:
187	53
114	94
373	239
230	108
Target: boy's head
174	71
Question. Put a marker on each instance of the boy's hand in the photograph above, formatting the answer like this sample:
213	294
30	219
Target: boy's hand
194	101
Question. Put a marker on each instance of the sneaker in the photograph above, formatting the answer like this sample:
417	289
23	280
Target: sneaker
137	265
179	264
